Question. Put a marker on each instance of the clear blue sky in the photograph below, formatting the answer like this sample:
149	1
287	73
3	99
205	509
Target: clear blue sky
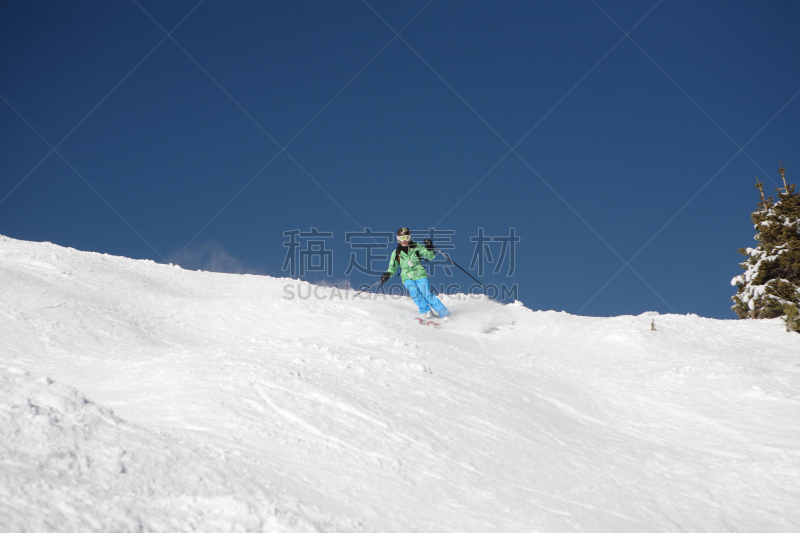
625	164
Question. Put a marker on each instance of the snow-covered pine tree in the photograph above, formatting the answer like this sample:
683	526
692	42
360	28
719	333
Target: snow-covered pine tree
770	285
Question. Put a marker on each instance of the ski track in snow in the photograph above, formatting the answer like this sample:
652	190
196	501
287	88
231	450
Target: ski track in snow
137	396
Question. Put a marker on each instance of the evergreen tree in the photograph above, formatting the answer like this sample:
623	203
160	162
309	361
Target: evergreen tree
770	285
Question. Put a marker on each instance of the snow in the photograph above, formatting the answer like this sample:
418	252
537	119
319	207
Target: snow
136	396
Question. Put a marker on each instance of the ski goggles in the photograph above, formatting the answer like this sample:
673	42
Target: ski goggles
404	237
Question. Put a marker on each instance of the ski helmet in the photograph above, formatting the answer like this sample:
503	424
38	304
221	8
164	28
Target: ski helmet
403	231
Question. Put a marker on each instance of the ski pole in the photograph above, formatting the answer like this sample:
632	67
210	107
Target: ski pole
462	270
365	290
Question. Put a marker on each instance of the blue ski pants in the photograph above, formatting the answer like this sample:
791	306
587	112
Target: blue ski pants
420	292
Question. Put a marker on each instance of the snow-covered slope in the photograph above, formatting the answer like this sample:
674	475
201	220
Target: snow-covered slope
136	396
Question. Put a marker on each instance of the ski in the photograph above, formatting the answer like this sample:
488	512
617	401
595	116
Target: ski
428	323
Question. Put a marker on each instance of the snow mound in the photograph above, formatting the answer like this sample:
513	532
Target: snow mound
190	401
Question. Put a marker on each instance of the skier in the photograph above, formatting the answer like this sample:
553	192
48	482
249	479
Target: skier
408	257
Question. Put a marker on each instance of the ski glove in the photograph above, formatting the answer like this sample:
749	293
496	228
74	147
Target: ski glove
428	244
385	277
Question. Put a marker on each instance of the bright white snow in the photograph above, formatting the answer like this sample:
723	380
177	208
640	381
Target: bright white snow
136	396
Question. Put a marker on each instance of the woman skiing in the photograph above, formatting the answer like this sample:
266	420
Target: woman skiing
408	257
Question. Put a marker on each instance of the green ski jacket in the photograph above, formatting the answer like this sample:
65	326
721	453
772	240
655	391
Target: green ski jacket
410	264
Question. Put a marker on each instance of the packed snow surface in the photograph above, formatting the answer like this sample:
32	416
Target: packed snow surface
137	396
